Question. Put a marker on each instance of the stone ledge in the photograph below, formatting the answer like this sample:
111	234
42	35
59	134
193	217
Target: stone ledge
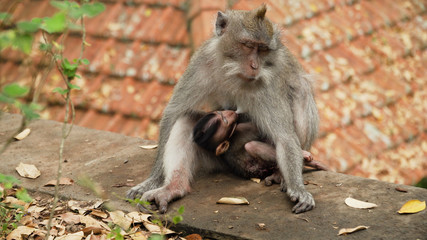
110	158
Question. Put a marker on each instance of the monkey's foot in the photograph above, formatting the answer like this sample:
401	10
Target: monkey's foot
161	197
138	190
304	200
273	178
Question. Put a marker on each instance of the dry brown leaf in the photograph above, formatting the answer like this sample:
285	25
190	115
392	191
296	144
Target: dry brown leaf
399	189
120	219
72	236
261	226
89	221
26	221
153	228
21	230
351	230
138	217
62	181
412	206
149	146
359	204
70	217
194	236
257	180
98	213
92	230
23	134
140	235
35	209
27	170
82	206
233	201
14	201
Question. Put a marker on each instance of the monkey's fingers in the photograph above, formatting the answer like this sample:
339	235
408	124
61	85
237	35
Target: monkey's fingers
304	201
149	208
163	206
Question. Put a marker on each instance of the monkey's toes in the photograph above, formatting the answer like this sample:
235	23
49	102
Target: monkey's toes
132	194
304	201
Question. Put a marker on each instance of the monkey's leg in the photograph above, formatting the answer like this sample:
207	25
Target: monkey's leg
309	161
261	150
178	163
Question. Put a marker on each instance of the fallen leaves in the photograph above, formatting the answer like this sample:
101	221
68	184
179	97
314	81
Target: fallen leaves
351	230
27	170
86	220
412	206
23	134
62	181
233	201
149	146
354	203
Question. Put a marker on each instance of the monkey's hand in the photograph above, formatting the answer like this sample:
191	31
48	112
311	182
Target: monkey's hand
304	200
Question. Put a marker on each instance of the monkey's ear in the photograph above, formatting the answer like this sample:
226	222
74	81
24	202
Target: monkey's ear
260	11
221	23
222	148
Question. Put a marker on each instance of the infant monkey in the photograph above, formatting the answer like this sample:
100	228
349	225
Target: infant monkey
239	143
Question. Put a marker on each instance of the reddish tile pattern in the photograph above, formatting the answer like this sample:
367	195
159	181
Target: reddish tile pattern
368	59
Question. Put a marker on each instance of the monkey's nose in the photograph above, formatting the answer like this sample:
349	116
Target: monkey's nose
254	65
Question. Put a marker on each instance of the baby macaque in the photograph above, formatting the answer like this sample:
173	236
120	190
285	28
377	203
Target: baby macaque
239	143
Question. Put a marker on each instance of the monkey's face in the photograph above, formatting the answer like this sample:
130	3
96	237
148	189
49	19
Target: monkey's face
247	41
226	121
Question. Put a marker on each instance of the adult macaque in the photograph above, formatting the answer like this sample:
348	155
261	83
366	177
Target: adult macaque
243	66
241	146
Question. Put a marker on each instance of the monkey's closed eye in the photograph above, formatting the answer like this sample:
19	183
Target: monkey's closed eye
248	45
263	48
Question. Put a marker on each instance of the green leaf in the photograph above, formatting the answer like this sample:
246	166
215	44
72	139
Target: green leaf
85	61
92	9
28	27
4	16
38	21
23	42
55	24
61	5
6	99
45	46
14	90
69	68
181	210
72	86
60	90
22	194
29	111
177	219
156	236
8	179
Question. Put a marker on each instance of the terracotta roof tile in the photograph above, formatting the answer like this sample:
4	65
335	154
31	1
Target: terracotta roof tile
336	152
199	6
203	26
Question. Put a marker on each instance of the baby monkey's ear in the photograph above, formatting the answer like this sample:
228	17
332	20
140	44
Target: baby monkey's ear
222	148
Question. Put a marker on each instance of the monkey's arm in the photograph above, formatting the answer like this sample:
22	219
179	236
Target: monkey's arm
176	157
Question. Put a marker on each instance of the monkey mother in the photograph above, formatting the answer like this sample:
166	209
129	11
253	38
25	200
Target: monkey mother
244	66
